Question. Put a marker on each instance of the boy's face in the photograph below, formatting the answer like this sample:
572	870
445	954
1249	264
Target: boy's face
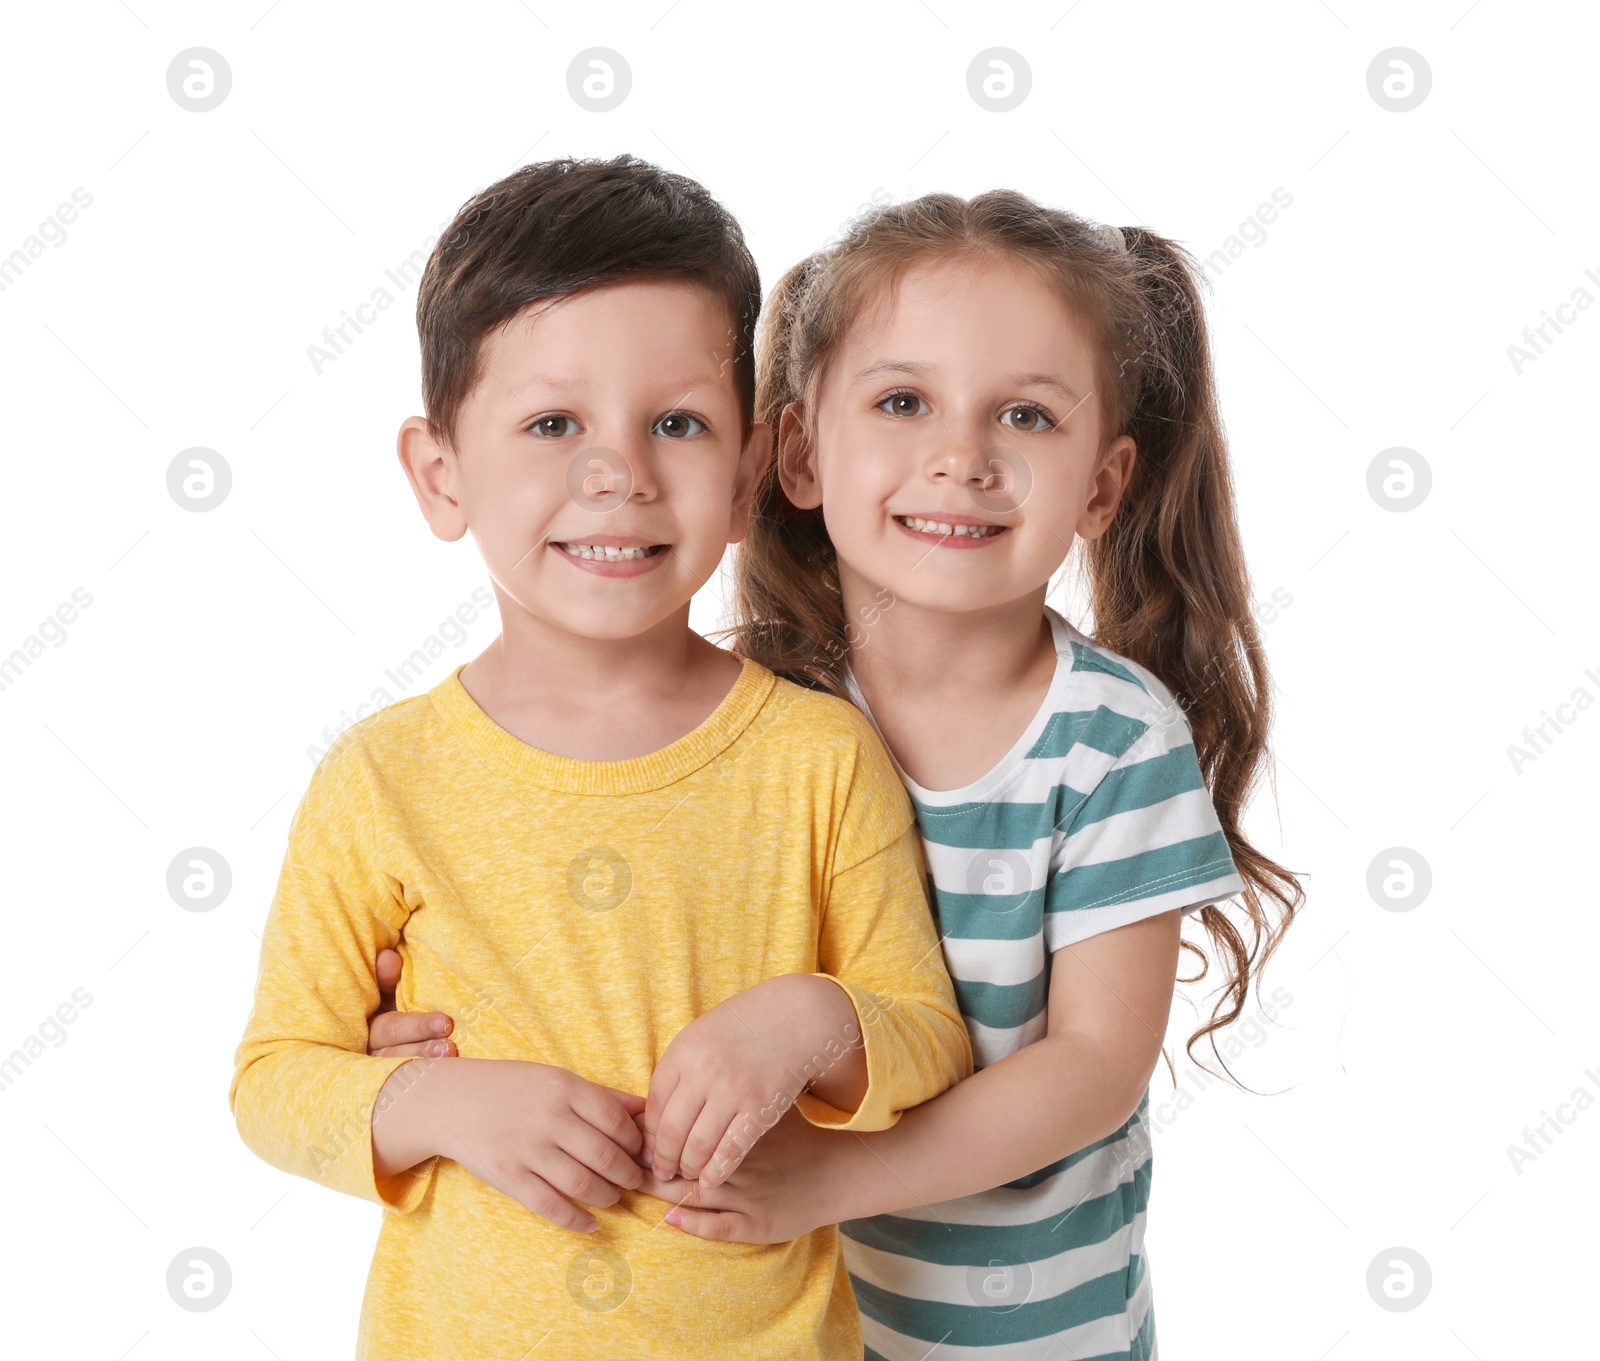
601	463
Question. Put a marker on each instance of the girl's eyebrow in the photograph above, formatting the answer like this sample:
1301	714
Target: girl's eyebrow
887	366
910	366
1045	380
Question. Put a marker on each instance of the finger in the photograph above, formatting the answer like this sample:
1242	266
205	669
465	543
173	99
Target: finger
736	1144
634	1105
663	1082
538	1195
432	1049
600	1107
602	1156
676	1121
387	969
389	1028
722	1226
677	1189
577	1182
705	1137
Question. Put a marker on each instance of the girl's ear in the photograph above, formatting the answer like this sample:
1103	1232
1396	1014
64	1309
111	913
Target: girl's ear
797	461
431	469
1105	490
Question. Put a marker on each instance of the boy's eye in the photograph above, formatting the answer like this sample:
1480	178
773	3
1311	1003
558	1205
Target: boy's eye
1027	419
553	426
678	425
903	404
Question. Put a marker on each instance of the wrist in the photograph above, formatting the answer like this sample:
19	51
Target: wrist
405	1115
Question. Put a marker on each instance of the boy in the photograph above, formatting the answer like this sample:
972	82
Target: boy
626	859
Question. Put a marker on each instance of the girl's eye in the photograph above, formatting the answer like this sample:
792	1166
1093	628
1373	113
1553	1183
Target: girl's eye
1027	419
904	403
553	426
678	425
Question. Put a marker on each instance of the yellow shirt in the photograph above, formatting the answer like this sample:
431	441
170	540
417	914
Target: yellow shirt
580	913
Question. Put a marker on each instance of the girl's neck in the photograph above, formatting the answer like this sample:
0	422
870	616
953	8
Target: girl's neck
951	691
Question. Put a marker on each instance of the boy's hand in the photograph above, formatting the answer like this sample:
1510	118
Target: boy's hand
730	1074
391	1033
542	1135
795	1180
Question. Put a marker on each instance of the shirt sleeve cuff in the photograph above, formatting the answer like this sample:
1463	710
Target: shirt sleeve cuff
877	1109
350	1168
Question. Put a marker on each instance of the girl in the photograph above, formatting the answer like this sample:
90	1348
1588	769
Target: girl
963	390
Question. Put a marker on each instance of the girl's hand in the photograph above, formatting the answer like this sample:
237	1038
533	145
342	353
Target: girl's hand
792	1182
730	1074
391	1033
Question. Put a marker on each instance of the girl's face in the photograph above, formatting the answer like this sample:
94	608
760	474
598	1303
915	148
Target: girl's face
957	440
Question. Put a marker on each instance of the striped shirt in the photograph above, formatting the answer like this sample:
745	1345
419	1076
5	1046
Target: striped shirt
1097	817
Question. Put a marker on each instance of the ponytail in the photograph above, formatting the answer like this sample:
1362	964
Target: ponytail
1169	589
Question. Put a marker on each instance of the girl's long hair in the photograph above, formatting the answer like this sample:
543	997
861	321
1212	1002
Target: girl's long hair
1167	581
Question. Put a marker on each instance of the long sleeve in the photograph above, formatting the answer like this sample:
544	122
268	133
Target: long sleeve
303	1084
879	943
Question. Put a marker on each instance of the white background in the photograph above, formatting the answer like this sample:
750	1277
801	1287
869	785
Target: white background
1417	1045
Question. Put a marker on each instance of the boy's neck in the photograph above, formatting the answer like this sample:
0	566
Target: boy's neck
598	699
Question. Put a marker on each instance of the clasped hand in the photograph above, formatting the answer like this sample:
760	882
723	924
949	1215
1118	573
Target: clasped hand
555	1141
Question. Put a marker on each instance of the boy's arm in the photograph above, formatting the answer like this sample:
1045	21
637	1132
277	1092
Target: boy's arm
881	946
303	1087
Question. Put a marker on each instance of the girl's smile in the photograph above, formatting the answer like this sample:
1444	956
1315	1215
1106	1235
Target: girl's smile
951	531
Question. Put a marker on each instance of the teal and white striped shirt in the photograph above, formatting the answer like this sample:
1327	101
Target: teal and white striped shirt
1097	817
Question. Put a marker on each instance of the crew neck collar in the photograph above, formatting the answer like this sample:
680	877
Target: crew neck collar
636	775
988	785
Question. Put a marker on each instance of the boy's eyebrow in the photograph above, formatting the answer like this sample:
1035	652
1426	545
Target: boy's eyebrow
910	366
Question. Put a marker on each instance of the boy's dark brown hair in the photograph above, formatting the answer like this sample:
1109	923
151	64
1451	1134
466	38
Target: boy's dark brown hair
558	227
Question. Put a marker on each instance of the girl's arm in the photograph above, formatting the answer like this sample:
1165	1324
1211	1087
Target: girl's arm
1109	1000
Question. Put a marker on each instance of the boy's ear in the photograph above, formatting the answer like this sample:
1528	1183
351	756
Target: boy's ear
433	471
797	461
753	460
1105	491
